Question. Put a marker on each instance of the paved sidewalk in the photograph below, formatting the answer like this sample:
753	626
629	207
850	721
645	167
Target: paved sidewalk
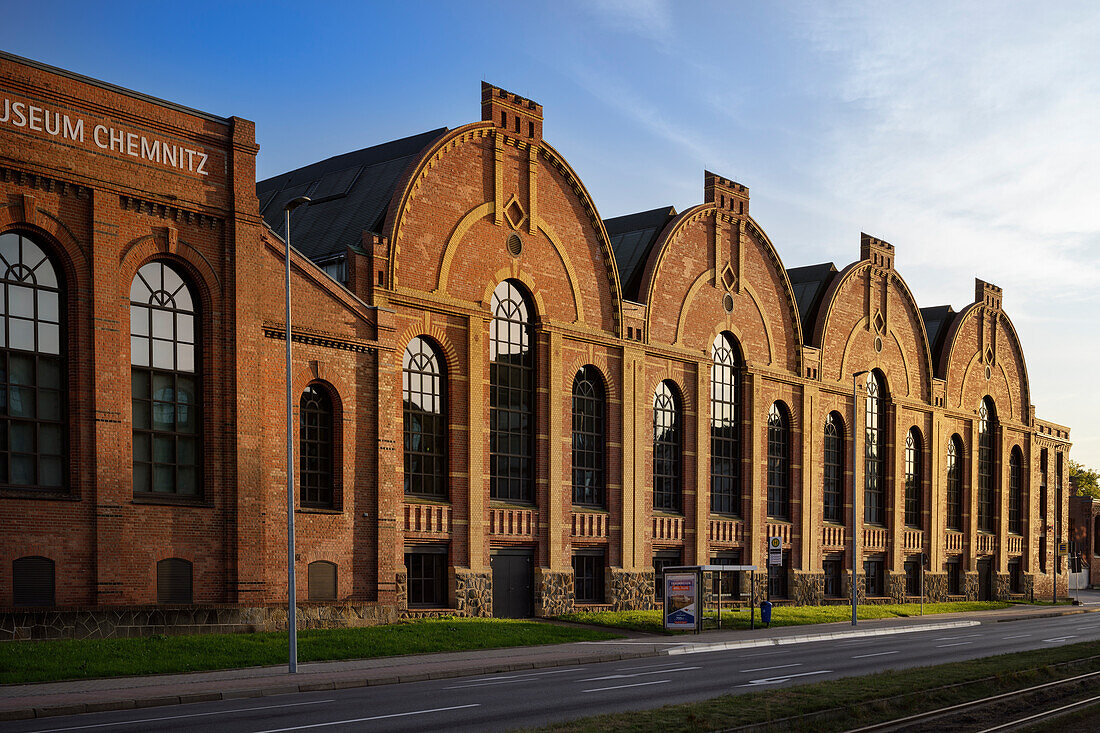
116	693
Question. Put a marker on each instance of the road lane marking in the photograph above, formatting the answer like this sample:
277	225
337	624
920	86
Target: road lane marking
620	687
177	717
510	680
520	676
957	643
1016	636
780	680
963	636
765	669
637	674
876	654
1060	638
647	666
373	717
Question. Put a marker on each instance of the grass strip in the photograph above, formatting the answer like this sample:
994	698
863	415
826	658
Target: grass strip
650	621
44	661
855	701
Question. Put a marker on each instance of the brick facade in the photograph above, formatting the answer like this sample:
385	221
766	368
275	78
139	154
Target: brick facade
429	269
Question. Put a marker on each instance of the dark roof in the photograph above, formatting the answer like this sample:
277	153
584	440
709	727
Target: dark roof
809	284
350	193
632	237
937	321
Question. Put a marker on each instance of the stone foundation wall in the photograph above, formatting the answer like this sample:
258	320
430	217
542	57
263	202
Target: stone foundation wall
401	587
935	586
895	587
553	592
134	621
628	590
970	587
807	589
472	593
1002	583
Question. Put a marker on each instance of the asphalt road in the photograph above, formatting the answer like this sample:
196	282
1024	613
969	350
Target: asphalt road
511	700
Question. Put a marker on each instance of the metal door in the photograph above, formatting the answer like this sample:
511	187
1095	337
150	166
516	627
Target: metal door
985	579
513	583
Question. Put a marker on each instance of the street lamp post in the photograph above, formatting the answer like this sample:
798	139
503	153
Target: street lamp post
291	593
855	493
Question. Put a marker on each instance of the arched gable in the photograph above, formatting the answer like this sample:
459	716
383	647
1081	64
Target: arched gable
869	318
982	336
448	238
698	280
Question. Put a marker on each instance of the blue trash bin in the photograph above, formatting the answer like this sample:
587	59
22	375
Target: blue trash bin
766	612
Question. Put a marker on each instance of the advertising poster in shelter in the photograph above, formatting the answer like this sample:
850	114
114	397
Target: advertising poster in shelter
681	600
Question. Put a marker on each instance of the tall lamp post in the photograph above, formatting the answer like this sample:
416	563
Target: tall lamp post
291	593
855	493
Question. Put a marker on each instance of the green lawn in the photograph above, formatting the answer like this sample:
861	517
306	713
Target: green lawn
650	621
857	701
42	661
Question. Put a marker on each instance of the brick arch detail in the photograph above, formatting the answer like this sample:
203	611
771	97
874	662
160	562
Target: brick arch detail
435	334
599	362
753	297
42	222
332	380
517	273
1019	398
164	245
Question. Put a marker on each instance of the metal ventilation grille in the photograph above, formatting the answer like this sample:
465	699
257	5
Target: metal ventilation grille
174	581
515	245
33	581
321	580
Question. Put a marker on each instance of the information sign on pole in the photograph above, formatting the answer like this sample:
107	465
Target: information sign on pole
775	551
681	600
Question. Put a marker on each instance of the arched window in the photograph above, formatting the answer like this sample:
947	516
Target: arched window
321	580
33	388
1015	491
954	483
667	449
317	460
913	478
725	427
511	396
874	478
833	488
987	422
779	463
424	420
175	581
164	383
589	438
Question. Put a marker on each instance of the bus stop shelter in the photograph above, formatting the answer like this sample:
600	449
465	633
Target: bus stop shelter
698	571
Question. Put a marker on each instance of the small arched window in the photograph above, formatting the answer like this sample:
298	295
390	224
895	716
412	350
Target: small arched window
725	427
164	383
954	483
779	463
511	396
667	449
874	475
317	447
33	386
589	438
424	420
174	581
987	490
833	484
913	478
1015	491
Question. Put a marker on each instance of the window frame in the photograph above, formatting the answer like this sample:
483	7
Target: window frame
953	494
987	483
327	450
833	469
1015	491
874	576
512	473
832	567
589	439
431	368
668	451
725	427
876	438
414	573
914	479
589	564
779	463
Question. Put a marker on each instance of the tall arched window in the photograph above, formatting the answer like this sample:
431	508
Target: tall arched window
1015	491
987	421
424	420
913	478
511	396
33	386
667	449
779	463
954	483
164	383
833	488
874	478
725	427
316	440
589	438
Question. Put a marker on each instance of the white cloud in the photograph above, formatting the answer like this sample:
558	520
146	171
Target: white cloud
649	19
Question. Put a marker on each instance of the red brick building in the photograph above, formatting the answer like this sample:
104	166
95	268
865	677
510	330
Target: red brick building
507	404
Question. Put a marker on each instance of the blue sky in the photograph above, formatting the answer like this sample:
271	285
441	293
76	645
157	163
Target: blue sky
963	133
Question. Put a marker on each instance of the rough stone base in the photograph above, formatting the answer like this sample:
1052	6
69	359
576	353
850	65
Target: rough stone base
630	591
473	593
807	589
1027	585
133	621
895	587
401	586
970	589
1001	586
553	592
935	586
